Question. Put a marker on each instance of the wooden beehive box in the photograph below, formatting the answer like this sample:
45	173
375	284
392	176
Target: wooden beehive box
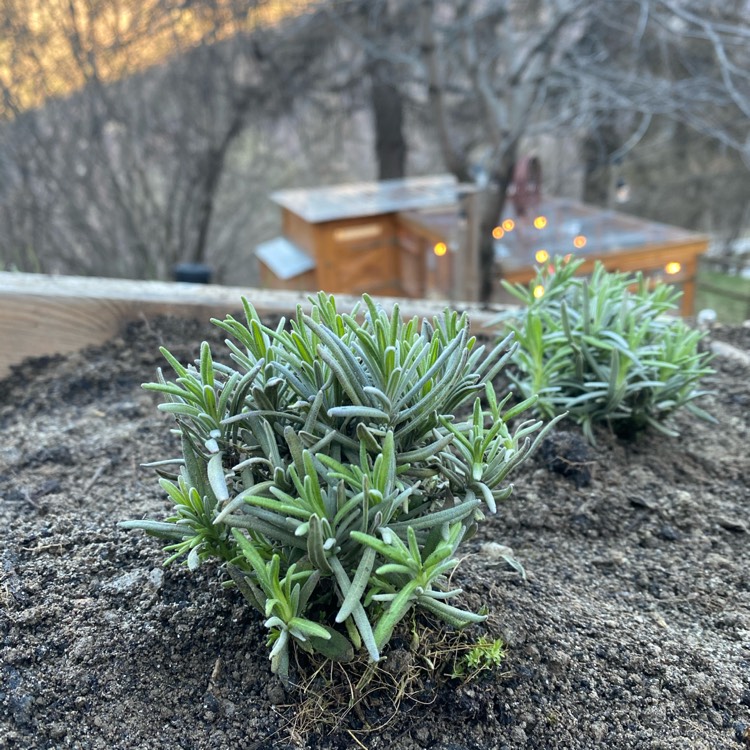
349	234
559	226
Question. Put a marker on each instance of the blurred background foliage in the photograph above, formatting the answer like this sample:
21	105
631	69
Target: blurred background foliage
137	134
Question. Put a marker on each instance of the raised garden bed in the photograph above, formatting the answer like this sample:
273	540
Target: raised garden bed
724	286
632	629
42	315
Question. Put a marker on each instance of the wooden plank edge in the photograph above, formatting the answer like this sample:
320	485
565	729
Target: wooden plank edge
42	315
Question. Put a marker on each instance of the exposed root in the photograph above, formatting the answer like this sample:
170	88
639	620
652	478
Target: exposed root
362	698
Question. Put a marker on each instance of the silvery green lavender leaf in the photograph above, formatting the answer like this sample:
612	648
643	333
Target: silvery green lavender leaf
336	464
626	362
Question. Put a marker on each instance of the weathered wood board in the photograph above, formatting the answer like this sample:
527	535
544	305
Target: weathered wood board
45	315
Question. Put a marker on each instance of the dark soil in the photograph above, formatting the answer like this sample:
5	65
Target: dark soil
632	629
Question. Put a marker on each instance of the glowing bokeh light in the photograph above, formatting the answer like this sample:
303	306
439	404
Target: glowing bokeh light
538	291
673	267
540	222
498	233
440	249
542	256
509	225
579	241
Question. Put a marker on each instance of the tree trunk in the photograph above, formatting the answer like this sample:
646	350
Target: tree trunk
209	180
388	117
211	176
597	148
494	204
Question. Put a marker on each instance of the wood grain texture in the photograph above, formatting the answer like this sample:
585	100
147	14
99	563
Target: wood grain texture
45	315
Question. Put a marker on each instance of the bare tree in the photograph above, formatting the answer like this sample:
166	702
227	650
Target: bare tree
113	161
118	137
494	73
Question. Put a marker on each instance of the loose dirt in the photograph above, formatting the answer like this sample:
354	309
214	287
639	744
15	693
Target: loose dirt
631	629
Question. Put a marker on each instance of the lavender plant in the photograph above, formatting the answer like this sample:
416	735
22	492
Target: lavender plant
605	349
324	466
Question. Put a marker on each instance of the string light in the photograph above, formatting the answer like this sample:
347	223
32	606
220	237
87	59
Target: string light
541	256
538	291
540	222
509	225
580	241
440	249
498	233
673	267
